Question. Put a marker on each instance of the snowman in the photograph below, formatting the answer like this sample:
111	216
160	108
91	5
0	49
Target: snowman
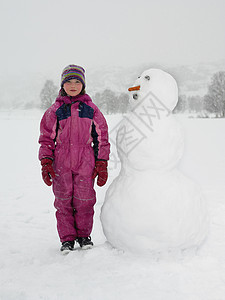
151	206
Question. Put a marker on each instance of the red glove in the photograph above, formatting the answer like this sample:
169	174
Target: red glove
100	170
47	171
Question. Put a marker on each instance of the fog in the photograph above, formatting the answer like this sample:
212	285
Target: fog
38	38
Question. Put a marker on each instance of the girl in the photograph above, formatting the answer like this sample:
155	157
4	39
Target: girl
74	150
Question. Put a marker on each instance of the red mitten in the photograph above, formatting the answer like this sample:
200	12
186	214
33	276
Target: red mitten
100	170
47	171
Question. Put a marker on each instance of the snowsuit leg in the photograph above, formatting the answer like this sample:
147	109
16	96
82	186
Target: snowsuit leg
75	198
84	199
63	191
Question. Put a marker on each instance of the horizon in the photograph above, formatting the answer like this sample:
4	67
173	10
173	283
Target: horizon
27	88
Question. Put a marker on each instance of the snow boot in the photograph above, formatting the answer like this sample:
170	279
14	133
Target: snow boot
85	242
67	246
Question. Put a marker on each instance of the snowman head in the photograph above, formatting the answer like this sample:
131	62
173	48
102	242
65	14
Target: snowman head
157	83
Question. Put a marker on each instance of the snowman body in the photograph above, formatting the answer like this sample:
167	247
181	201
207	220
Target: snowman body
151	205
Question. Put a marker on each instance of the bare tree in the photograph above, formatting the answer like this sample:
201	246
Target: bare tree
214	100
48	94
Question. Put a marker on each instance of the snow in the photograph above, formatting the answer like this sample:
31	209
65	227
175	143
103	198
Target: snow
31	266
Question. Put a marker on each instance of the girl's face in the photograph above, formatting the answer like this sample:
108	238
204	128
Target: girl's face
73	87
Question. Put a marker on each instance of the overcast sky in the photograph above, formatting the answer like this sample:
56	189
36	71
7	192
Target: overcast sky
46	35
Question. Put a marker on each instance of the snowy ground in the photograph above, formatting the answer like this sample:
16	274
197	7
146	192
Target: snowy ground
31	266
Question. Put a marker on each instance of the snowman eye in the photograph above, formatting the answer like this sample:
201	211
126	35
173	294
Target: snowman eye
147	77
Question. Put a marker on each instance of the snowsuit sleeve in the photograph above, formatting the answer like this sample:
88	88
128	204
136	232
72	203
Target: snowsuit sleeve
47	134
101	144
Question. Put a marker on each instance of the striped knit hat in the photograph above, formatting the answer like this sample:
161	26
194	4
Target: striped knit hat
73	72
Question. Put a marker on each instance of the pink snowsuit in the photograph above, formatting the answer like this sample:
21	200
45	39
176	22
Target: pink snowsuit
74	134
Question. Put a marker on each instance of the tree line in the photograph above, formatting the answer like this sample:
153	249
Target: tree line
210	105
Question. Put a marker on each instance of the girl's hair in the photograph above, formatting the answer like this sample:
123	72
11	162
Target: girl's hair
63	93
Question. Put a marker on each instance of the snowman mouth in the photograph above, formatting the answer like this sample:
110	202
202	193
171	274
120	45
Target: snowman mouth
135	96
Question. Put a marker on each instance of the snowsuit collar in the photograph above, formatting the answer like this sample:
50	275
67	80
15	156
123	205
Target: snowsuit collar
70	100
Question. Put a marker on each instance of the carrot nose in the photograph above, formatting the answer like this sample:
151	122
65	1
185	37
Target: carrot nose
134	88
